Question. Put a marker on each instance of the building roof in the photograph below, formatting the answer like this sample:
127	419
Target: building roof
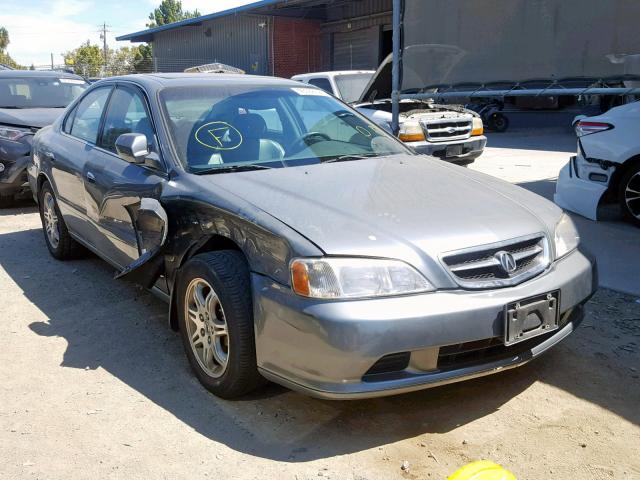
147	35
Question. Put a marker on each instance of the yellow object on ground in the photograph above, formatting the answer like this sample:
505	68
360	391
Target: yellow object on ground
482	470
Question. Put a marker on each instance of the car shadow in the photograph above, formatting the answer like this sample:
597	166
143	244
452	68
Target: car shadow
20	207
553	139
122	329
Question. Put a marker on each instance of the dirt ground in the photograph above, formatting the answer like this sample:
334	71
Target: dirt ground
95	385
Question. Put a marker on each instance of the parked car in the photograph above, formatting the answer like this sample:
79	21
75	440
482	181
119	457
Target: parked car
450	132
607	165
29	100
324	256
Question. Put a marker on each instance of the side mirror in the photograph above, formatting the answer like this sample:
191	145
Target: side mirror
132	147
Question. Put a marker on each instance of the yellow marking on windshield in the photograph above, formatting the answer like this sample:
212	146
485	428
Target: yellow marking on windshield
363	131
221	136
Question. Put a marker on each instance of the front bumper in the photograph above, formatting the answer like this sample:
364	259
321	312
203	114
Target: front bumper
472	148
576	190
325	348
13	180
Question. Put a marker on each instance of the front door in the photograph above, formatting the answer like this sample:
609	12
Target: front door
114	188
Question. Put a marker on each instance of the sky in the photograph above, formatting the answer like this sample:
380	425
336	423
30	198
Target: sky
38	28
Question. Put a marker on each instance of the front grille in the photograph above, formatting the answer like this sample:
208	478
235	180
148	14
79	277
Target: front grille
446	129
480	267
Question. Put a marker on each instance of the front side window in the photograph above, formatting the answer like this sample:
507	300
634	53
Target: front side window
85	119
39	92
127	113
214	127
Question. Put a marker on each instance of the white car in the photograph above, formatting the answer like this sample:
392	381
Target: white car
449	132
607	166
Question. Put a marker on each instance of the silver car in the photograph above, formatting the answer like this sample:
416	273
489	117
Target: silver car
296	241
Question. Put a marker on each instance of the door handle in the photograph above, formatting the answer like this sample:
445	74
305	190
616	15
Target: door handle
91	178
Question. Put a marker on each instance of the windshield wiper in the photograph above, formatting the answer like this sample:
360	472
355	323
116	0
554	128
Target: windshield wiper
349	158
231	168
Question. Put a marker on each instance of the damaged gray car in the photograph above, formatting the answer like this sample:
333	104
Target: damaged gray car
296	241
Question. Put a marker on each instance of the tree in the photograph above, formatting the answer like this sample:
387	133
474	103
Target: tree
169	11
87	59
5	58
143	59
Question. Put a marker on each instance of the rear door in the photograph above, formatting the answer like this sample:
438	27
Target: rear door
114	188
70	153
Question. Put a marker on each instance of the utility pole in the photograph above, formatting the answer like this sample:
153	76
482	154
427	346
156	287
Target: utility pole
103	37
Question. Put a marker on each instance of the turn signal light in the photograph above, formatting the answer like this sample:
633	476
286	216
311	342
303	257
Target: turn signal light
478	127
300	279
411	132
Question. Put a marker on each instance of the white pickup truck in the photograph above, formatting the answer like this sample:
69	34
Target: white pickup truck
449	132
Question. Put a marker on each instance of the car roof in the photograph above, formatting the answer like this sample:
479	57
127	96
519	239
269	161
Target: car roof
37	74
160	80
333	73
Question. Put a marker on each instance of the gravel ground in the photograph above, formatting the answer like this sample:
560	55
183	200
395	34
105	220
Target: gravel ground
95	385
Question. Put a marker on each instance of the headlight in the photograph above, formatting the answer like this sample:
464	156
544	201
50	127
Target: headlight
478	127
10	133
411	131
355	278
566	236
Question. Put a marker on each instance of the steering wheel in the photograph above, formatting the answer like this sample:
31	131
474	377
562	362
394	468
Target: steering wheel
309	139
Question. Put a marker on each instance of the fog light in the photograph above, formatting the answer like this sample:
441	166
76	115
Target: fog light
1	167
598	177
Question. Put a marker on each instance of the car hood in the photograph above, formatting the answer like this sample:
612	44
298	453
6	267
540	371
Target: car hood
411	208
29	117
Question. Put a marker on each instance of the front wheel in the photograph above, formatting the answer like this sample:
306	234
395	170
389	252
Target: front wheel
216	322
629	195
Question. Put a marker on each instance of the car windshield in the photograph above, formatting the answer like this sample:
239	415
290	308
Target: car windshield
40	92
218	128
352	85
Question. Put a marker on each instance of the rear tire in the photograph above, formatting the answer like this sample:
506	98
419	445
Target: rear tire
215	314
56	235
498	123
629	195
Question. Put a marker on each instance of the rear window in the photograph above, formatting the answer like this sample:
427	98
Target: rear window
41	92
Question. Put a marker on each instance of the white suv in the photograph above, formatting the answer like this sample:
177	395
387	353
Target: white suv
607	166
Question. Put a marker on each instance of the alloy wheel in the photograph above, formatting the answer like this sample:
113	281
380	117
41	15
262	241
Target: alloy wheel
632	195
207	327
51	225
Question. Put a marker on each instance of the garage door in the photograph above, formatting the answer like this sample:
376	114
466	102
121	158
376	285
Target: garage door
357	49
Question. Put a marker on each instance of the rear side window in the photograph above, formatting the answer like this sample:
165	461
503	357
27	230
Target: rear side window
322	83
85	118
127	113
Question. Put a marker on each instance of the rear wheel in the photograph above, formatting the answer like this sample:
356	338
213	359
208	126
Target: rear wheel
216	322
59	242
498	123
629	195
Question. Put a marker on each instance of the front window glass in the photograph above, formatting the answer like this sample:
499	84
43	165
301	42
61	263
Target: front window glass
214	127
39	92
351	86
127	114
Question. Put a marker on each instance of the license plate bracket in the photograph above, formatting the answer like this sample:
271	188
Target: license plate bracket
531	317
454	151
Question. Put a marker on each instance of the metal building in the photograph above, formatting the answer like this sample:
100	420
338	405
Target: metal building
277	37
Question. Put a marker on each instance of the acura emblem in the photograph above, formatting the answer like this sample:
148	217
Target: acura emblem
507	262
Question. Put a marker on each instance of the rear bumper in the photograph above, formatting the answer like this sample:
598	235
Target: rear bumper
325	349
472	148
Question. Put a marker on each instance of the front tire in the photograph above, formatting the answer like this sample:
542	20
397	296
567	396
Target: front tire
59	242
498	123
629	195
215	314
